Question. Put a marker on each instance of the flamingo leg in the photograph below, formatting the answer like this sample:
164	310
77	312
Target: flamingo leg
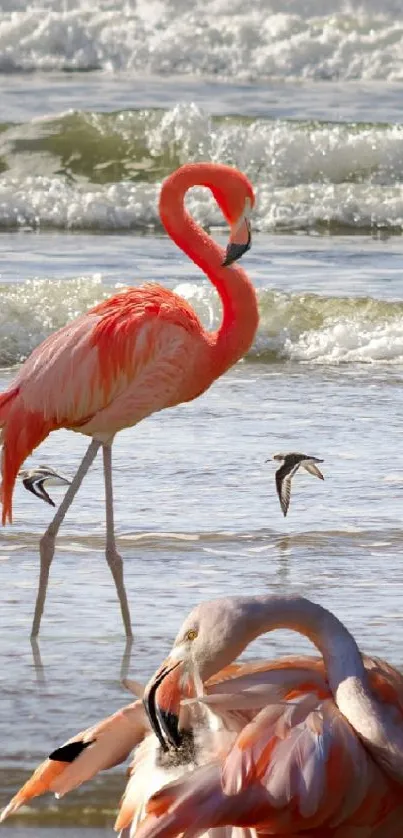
47	542
112	556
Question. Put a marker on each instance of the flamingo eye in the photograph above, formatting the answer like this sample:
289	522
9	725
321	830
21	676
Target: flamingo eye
191	634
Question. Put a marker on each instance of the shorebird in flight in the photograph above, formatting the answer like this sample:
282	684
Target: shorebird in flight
34	479
290	465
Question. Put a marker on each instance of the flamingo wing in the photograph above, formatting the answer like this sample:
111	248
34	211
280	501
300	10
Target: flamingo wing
83	367
297	767
313	663
385	680
126	358
299	751
387	683
99	747
252	687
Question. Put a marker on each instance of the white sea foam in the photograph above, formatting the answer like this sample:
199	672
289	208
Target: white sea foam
301	328
60	172
349	341
313	39
30	312
50	202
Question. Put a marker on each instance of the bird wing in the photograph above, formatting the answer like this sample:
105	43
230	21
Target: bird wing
298	766
239	670
283	484
42	493
311	764
127	357
312	468
247	688
99	747
386	682
34	481
29	484
52	478
81	368
254	686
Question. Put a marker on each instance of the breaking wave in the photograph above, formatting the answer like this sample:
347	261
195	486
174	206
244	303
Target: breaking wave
312	39
304	328
98	171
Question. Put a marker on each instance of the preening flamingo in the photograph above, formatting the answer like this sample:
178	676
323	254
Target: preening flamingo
132	355
299	746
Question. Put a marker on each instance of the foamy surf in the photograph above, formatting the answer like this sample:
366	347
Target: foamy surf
95	171
217	39
51	203
304	328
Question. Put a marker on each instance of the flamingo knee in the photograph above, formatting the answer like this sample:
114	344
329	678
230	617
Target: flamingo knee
115	563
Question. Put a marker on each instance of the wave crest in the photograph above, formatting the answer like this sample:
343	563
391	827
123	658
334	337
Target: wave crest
303	328
284	40
104	171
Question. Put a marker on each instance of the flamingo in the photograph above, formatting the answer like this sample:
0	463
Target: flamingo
309	746
134	354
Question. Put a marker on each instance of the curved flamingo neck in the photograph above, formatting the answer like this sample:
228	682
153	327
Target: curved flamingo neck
240	314
338	648
348	679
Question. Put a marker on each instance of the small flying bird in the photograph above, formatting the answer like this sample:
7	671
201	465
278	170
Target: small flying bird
34	480
284	474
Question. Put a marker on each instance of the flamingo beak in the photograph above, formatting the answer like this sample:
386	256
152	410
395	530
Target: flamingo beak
162	698
240	240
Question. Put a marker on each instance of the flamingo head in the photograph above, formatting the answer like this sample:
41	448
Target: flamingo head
240	238
241	234
211	637
235	197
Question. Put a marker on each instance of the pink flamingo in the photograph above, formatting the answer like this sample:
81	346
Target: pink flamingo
134	354
299	746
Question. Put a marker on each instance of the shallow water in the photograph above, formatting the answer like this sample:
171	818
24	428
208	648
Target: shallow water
82	157
196	511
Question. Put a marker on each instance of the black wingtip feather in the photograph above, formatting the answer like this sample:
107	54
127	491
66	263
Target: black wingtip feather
69	752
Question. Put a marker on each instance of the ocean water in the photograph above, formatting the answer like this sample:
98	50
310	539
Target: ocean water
100	102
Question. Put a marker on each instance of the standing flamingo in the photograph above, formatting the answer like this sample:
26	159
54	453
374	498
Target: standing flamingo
132	355
299	746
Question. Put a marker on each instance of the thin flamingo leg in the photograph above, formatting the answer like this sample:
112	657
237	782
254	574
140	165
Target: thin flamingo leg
47	542
112	556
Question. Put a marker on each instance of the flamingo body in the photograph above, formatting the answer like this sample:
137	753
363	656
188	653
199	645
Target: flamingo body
136	353
272	755
132	355
295	768
321	754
